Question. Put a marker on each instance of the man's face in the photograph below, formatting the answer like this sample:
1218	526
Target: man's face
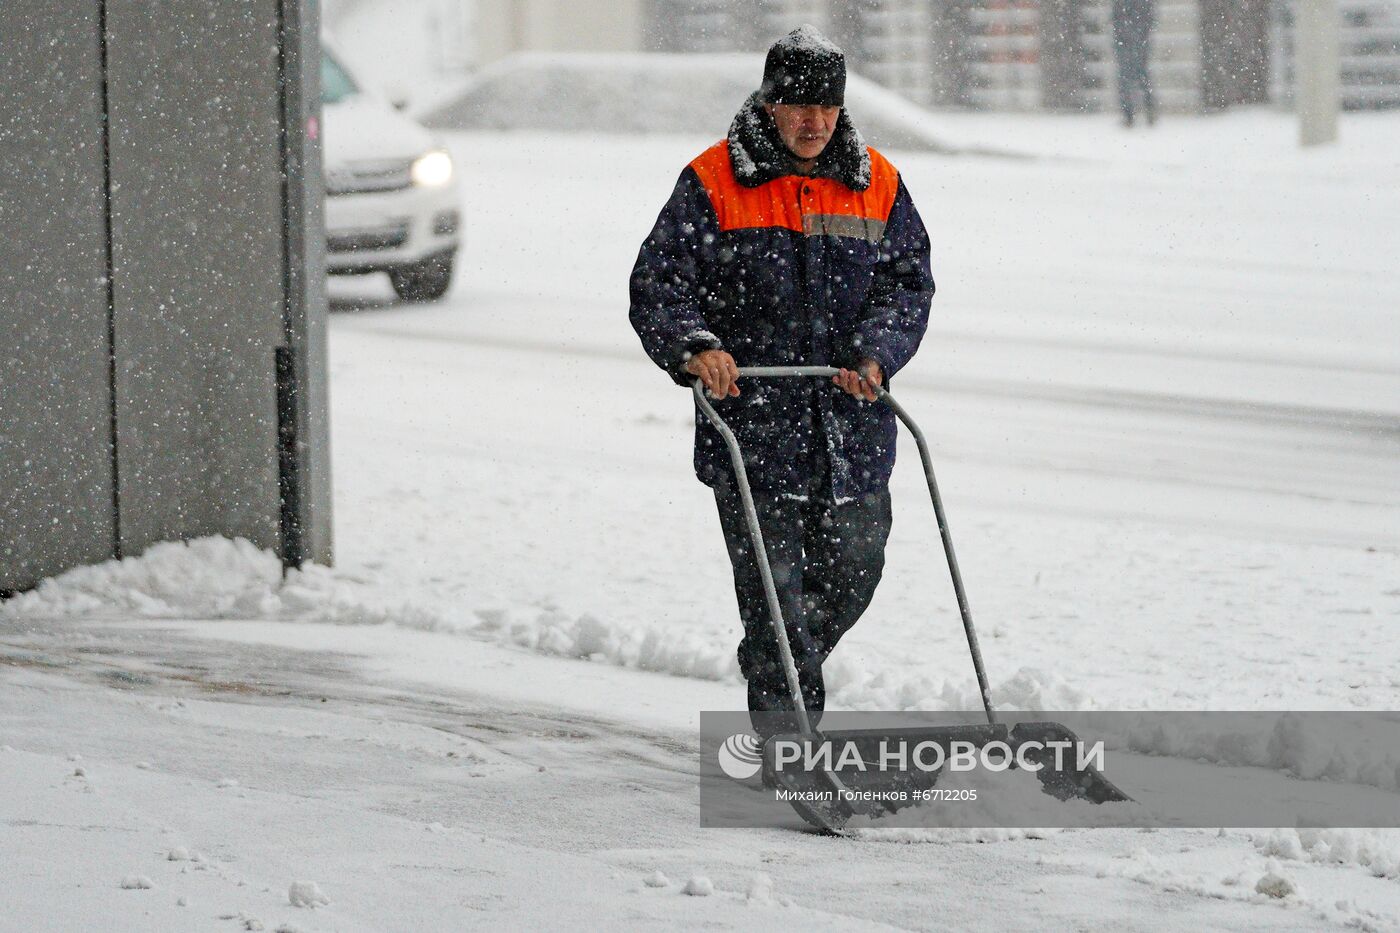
805	129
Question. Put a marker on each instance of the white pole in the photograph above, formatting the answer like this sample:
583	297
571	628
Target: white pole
1317	69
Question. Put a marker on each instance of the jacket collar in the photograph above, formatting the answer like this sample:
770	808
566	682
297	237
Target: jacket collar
758	155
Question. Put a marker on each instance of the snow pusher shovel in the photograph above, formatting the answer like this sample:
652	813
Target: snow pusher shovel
827	799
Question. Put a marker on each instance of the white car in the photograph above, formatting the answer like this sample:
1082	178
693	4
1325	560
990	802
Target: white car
392	203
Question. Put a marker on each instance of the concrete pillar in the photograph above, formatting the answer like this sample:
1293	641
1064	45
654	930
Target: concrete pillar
1317	38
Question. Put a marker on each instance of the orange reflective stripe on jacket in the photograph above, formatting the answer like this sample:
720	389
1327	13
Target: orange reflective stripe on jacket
814	206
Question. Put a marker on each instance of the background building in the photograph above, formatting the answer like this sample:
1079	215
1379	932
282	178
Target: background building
983	54
1370	54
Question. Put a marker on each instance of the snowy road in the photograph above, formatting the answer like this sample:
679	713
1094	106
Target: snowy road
1178	349
1143	489
1306	473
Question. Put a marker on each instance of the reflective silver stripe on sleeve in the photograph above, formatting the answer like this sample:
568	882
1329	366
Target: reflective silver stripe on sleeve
865	228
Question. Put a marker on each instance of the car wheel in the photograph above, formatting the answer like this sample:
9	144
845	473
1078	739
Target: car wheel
423	281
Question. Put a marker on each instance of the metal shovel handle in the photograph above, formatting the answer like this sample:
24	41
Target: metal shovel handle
775	611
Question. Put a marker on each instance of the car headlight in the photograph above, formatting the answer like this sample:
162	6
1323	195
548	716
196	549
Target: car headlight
432	169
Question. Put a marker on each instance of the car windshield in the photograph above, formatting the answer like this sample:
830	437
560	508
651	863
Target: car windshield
336	84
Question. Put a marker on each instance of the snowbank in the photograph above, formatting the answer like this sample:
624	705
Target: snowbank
1309	746
218	578
646	93
208	578
1377	851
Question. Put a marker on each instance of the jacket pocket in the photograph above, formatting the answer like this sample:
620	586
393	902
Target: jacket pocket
849	274
850	264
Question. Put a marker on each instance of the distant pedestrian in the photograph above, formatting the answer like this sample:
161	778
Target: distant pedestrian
1132	44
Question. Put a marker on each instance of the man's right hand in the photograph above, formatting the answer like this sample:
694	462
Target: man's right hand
717	370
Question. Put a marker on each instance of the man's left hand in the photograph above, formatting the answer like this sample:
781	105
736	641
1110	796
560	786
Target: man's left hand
850	379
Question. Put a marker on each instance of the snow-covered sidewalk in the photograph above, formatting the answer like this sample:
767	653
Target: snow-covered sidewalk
186	775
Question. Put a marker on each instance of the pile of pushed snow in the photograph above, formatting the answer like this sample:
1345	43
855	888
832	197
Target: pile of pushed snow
1309	746
1378	851
550	630
219	578
208	578
1028	689
652	93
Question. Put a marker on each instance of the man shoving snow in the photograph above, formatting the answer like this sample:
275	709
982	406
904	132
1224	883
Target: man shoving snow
790	243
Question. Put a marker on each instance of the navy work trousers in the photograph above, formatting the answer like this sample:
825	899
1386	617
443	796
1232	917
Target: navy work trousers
826	559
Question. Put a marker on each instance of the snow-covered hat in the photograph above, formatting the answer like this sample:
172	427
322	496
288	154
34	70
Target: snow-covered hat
804	67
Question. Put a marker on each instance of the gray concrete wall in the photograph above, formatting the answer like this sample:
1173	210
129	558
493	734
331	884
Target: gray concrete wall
197	267
142	405
55	401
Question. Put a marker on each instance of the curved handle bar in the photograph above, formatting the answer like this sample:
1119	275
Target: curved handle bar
736	458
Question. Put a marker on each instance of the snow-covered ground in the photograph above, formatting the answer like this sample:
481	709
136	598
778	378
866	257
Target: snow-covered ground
1163	392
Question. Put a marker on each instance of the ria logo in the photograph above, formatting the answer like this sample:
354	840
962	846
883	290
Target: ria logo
741	756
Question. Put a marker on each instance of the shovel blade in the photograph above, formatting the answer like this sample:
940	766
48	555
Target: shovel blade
1070	781
816	797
